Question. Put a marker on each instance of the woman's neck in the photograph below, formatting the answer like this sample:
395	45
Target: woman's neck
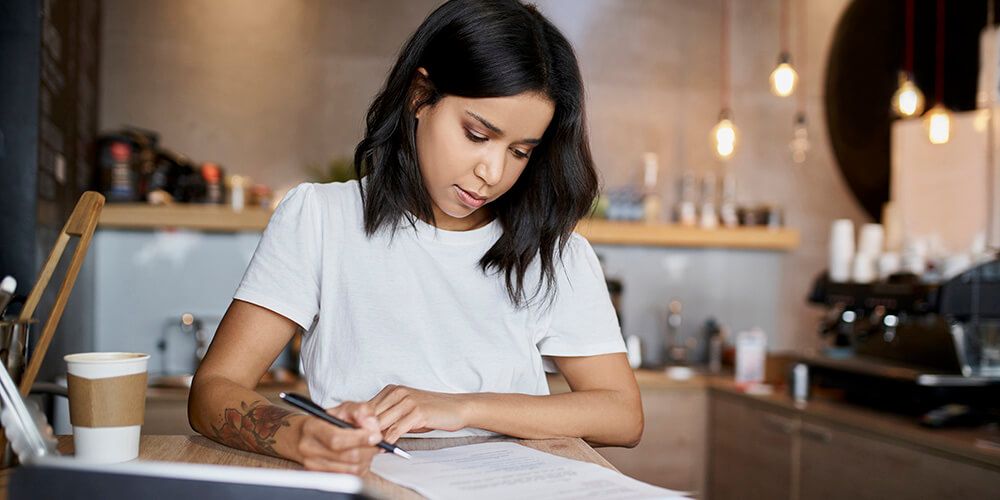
475	220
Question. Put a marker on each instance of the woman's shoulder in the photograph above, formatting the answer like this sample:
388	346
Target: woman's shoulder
577	247
336	193
341	198
579	259
334	204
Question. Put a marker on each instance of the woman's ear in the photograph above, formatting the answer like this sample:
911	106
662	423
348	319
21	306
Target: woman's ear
421	91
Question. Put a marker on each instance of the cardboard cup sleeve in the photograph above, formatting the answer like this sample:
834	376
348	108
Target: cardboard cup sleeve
107	402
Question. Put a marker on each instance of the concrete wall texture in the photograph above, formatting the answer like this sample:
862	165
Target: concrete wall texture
266	88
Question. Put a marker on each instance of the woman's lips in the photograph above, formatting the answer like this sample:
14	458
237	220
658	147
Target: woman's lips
468	199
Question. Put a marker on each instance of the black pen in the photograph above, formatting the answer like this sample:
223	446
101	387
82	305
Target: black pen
305	404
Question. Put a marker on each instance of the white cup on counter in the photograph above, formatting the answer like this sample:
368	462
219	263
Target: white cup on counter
871	240
107	399
863	269
889	263
841	250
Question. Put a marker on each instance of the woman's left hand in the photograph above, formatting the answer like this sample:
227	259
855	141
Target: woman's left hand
402	409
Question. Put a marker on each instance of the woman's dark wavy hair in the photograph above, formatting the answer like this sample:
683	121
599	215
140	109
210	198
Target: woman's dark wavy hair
474	49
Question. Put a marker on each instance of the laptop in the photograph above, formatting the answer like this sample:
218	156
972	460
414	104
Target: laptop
45	474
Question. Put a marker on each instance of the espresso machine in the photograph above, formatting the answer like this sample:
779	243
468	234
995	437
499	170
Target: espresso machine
914	347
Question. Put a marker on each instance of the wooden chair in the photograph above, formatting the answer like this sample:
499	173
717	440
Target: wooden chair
81	224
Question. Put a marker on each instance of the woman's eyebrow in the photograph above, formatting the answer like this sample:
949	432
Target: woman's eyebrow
496	130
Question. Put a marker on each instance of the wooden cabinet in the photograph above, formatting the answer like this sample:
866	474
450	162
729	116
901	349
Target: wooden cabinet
751	451
672	452
760	450
840	463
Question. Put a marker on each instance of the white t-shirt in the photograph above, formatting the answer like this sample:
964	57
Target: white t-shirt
415	309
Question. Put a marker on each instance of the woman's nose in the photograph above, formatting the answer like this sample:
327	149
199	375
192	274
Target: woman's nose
490	169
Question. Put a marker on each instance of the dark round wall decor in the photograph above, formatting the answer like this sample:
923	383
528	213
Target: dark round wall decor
866	54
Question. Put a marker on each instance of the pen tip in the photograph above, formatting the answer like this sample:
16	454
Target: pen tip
402	453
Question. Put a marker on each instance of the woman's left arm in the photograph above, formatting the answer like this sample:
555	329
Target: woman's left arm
604	407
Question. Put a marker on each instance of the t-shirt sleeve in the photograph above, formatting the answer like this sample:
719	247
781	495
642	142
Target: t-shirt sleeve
582	319
284	273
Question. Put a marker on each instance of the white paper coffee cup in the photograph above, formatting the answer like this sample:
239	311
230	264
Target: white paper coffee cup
107	398
871	240
840	270
888	264
841	250
863	269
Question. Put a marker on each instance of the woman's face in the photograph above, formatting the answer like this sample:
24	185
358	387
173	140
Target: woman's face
471	151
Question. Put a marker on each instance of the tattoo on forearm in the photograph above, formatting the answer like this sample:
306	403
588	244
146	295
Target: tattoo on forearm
253	428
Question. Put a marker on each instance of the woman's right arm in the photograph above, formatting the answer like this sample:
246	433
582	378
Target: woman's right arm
223	405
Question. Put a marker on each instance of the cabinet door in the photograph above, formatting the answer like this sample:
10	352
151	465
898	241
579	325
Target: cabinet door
672	451
841	463
750	450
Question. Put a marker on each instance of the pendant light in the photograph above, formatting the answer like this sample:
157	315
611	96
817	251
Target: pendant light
938	119
908	101
724	134
800	133
800	139
783	78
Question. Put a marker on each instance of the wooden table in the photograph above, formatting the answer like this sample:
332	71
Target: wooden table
200	450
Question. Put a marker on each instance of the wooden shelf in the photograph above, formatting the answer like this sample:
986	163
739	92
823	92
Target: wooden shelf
185	216
600	232
604	232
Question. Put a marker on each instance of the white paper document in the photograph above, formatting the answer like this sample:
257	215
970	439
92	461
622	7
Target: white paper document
504	470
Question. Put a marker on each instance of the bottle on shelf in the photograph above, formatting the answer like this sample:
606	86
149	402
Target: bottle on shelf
215	192
728	214
674	350
709	218
686	213
652	205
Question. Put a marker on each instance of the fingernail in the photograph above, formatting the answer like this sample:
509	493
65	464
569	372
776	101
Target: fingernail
373	439
371	421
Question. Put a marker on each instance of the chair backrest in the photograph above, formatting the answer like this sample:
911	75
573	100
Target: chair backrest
81	224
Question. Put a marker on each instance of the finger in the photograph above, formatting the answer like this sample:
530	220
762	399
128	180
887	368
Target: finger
393	414
389	399
320	448
352	412
381	395
410	421
364	416
360	414
335	438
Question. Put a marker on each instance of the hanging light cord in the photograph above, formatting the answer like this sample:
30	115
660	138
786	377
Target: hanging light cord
801	48
783	29
908	58
939	80
724	56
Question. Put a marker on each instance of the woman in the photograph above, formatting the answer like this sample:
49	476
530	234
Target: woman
433	292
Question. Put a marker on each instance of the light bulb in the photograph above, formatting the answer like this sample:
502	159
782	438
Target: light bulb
908	100
938	123
784	77
800	140
724	136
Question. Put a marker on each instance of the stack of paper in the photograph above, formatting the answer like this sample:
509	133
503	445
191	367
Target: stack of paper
503	471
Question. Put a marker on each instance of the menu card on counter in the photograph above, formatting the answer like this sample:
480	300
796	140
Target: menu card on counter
501	471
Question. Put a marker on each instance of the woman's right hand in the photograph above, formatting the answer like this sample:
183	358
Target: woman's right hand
325	447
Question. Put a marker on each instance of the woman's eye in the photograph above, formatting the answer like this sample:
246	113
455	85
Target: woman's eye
473	137
520	154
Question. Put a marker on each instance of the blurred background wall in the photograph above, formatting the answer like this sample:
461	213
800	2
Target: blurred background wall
267	88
